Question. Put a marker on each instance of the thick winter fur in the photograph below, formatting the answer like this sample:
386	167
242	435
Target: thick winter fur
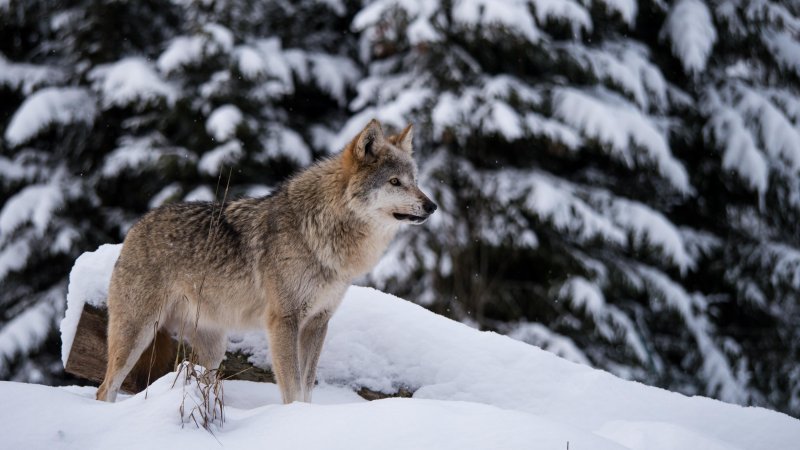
282	262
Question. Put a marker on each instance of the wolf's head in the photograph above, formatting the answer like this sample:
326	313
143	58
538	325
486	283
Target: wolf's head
383	177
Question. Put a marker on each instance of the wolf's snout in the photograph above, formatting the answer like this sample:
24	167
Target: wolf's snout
429	206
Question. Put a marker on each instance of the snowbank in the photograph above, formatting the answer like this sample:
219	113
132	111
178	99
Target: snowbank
472	390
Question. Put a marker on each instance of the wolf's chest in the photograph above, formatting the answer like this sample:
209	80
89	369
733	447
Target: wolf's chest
369	251
326	299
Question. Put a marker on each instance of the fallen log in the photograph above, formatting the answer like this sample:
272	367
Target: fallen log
89	353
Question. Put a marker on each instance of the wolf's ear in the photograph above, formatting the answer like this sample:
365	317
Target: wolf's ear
369	141
403	140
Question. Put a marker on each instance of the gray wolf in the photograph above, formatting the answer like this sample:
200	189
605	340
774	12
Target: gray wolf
282	262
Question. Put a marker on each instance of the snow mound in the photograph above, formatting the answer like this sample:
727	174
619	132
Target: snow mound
472	390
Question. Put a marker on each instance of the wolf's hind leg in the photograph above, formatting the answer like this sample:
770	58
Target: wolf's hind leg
283	342
209	345
311	338
127	339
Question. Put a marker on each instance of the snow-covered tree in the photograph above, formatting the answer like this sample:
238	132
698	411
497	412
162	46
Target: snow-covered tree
617	179
112	108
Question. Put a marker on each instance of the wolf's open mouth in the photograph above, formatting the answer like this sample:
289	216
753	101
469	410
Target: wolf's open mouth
410	217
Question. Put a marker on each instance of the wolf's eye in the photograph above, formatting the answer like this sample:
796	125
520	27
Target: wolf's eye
394	182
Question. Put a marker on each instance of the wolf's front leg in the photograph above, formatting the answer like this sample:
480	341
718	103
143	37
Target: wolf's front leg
311	338
283	340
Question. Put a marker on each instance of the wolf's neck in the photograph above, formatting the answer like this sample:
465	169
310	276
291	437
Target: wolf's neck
340	239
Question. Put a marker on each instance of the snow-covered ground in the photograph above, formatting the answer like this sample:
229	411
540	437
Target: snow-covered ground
472	390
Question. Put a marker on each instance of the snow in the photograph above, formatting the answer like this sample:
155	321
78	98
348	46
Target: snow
722	381
563	11
136	153
333	74
283	141
625	66
753	131
88	283
255	420
26	77
130	80
200	194
274	61
691	33
169	191
513	15
420	29
223	121
228	153
785	49
185	51
35	203
626	9
29	329
628	134
586	295
472	389
648	226
47	106
250	63
540	336
740	151
14	256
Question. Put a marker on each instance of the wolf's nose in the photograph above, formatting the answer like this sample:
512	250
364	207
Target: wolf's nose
429	207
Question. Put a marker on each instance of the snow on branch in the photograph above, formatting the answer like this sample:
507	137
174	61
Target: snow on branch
420	13
228	154
25	332
780	137
554	201
626	9
563	11
588	213
223	121
281	141
48	106
136	153
609	319
512	15
186	51
36	203
630	136
721	379
332	74
752	131
27	77
487	108
539	335
14	255
625	66
785	49
130	81
647	226
740	152
691	32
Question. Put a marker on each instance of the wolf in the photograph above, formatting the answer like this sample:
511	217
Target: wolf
281	262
